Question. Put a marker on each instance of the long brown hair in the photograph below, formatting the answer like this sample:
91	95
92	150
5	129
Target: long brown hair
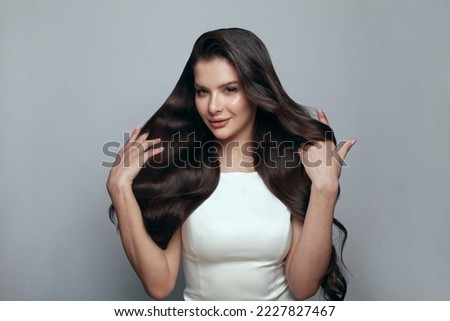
174	183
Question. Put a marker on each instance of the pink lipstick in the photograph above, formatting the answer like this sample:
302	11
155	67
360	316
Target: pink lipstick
219	123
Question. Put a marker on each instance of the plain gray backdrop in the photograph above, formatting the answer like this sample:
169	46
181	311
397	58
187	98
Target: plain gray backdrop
75	75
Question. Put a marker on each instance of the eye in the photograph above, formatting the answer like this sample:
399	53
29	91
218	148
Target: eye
200	92
231	89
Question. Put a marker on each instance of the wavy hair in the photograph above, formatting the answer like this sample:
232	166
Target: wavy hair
174	183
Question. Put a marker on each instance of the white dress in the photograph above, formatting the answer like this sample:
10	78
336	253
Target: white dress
234	245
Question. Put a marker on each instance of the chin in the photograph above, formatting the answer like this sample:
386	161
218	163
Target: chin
222	137
220	134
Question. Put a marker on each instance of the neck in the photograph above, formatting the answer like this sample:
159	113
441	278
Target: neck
237	156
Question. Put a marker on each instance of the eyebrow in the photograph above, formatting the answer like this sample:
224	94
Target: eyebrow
233	82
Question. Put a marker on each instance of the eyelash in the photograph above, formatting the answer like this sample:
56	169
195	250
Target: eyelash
228	90
231	89
200	92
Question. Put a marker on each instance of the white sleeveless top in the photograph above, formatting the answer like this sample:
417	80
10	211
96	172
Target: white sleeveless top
235	243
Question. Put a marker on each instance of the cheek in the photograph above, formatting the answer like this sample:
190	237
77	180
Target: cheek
236	102
239	104
243	107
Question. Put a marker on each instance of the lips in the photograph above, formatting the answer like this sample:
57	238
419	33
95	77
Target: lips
219	123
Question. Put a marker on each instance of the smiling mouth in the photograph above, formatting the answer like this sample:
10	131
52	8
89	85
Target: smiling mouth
219	123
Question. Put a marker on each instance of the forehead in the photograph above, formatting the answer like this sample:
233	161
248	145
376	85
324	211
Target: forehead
214	72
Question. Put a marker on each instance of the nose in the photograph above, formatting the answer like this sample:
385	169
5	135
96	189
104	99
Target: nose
215	105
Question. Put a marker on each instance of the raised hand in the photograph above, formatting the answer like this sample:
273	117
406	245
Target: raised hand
131	158
323	163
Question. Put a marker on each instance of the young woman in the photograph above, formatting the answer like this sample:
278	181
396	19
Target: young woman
234	179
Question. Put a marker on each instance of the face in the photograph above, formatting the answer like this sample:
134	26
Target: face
222	102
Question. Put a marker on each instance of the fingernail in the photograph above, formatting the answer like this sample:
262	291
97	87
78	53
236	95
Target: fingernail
320	110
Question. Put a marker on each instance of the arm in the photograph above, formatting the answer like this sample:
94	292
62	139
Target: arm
156	268
309	257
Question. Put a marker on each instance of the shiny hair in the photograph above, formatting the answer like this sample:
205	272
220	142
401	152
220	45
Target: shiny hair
174	183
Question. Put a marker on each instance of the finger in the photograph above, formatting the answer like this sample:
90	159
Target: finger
137	137
322	117
140	147
142	137
134	134
149	143
153	152
346	148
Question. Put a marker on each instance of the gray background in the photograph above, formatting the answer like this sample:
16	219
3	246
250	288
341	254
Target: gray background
77	74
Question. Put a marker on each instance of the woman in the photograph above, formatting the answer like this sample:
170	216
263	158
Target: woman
237	182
